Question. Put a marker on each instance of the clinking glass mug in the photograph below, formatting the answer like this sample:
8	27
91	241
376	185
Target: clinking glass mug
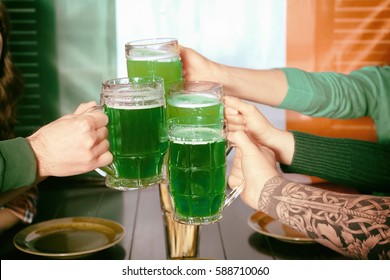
137	131
197	169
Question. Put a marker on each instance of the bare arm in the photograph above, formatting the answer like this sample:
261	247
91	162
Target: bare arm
357	226
262	86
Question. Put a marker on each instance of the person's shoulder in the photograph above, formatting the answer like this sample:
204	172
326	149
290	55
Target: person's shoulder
14	143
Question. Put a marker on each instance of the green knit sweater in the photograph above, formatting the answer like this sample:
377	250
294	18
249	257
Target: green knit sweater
18	167
361	164
364	92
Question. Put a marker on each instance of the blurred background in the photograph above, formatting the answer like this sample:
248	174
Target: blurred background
66	48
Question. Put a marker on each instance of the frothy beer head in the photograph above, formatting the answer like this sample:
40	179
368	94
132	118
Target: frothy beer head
195	135
151	55
135	102
193	100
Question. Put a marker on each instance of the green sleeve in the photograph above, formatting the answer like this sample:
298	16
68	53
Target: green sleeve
361	164
364	92
18	167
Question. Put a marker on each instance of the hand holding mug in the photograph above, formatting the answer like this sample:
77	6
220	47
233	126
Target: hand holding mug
73	144
252	164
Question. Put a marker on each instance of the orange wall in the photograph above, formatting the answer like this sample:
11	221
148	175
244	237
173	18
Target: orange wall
336	35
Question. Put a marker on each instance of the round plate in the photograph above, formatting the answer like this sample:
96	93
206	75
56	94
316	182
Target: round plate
69	237
266	225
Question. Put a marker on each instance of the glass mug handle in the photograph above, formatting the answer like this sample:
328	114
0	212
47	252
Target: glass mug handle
235	192
105	170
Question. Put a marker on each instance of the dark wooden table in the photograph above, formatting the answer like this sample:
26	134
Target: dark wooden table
141	215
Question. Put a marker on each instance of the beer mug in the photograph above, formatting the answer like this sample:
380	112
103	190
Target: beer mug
197	169
137	131
157	57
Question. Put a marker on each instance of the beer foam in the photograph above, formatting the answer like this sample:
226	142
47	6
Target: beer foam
194	100
146	54
195	136
132	106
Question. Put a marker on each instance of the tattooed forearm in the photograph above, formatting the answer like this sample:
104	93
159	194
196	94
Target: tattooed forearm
355	225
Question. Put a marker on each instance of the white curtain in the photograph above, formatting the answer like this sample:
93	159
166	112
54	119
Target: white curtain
85	51
245	33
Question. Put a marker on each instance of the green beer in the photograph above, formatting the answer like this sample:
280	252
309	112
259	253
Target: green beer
196	104
168	68
138	141
197	167
157	57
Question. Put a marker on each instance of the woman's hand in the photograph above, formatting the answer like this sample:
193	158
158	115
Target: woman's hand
246	117
197	67
242	116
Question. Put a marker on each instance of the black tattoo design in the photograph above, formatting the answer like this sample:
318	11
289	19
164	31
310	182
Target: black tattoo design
355	225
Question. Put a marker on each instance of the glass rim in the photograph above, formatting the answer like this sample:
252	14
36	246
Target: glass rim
134	86
151	41
133	80
197	86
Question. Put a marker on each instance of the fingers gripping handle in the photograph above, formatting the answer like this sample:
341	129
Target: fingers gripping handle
105	170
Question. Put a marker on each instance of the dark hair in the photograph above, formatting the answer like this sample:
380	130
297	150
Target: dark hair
11	83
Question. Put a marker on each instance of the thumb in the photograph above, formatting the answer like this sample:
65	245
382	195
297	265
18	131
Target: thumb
84	107
243	142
